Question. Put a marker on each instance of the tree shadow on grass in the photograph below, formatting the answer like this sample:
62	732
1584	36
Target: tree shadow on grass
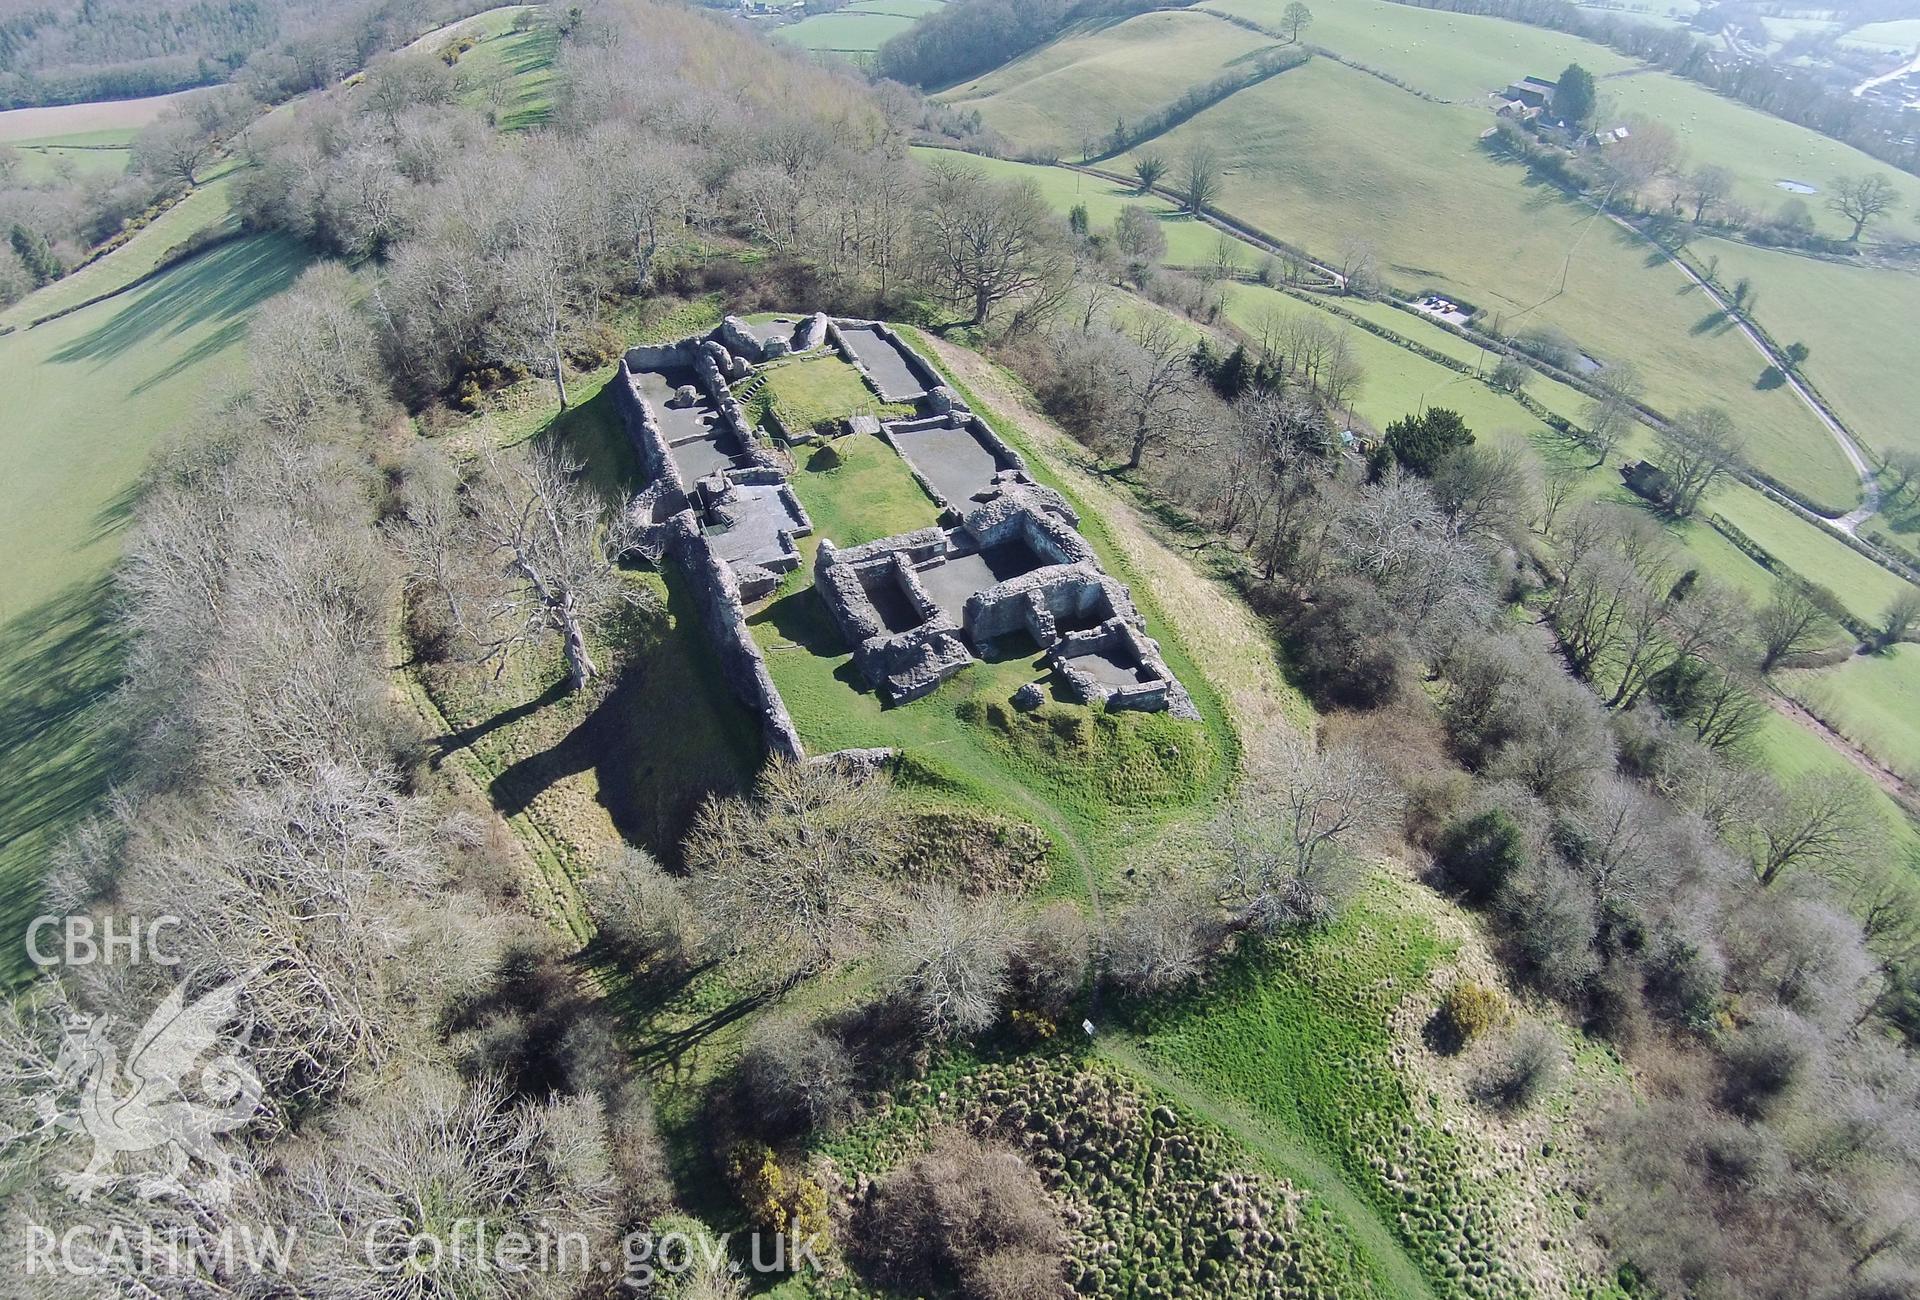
663	734
219	285
591	432
1715	322
59	663
463	737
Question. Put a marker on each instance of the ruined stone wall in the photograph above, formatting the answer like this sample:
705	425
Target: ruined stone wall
1047	536
662	356
725	620
1069	592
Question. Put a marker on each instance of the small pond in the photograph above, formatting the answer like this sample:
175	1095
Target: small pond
1797	187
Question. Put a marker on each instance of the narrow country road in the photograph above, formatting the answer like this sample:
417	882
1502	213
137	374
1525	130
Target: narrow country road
1850	522
1883	78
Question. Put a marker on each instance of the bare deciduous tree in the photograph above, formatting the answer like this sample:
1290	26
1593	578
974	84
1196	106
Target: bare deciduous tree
950	961
984	244
1819	821
1861	199
520	553
1201	171
796	866
1702	447
1707	186
1790	626
173	149
642	911
796	1078
314	352
433	1153
1289	837
1159	385
1610	414
1164	940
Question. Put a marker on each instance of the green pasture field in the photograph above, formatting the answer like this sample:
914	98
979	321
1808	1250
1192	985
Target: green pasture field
207	208
1813	552
1073	90
1397	380
43	160
1902	34
855	30
1874	700
1859	322
1789	750
1325	155
89	399
1189	242
1461	57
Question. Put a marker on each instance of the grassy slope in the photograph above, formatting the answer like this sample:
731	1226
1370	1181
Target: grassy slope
1455	56
1874	700
525	57
89	398
207	208
1463	57
1397	380
1312	149
1074	89
1863	367
1189	242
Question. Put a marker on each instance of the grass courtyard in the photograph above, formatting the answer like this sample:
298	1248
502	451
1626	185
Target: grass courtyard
808	393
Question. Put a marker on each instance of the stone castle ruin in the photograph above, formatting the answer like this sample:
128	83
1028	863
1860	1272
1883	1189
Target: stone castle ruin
1005	561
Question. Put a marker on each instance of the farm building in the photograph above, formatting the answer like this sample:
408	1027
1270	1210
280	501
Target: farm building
1534	92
